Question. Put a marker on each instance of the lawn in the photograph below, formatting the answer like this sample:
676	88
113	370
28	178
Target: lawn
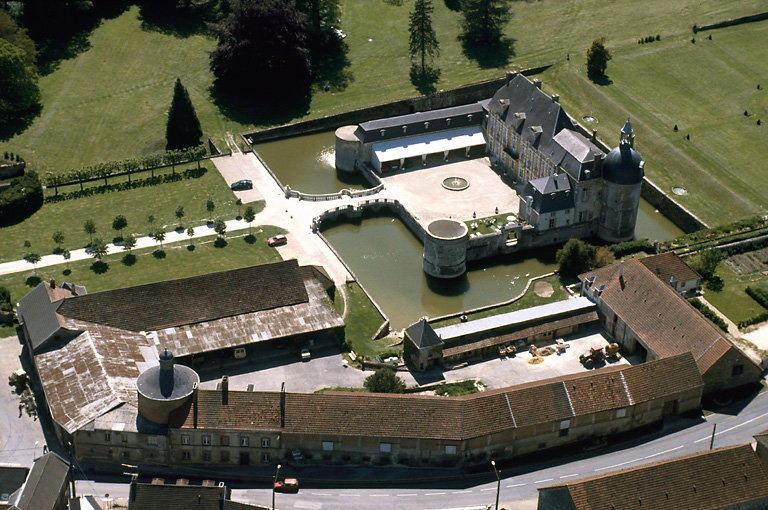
178	262
528	300
704	89
733	301
362	321
136	205
109	101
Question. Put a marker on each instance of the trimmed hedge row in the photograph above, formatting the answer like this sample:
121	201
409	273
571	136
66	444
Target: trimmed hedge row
708	313
21	199
629	247
758	295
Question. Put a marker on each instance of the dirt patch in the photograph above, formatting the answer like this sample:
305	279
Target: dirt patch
543	289
535	360
545	351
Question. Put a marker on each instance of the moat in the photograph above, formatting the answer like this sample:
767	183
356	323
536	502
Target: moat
387	257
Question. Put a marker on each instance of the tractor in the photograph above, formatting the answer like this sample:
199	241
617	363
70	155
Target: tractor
594	355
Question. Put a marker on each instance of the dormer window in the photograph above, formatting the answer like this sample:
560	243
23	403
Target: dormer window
382	131
469	118
405	128
426	125
448	121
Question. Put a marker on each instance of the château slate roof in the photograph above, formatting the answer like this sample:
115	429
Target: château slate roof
726	477
422	334
550	193
190	300
448	418
460	116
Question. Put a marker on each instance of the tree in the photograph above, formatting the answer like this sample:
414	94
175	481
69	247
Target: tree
183	128
597	58
210	206
384	380
98	249
422	46
180	214
33	258
90	228
65	253
705	262
19	93
58	238
239	204
484	21
5	300
575	257
158	236
220	227
27	244
262	51
151	219
119	223
190	234
11	32
249	215
129	243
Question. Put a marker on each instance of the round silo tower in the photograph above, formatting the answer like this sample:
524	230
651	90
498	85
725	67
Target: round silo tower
164	389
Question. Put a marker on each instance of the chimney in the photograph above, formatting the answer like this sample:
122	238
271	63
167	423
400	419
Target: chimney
53	283
132	490
593	138
555	98
537	83
621	272
598	166
166	373
194	405
511	76
282	405
224	390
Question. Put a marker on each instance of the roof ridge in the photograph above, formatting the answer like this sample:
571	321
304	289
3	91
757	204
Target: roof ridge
568	396
626	388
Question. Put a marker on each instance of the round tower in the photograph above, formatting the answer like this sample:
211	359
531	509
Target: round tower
445	248
622	182
165	388
347	148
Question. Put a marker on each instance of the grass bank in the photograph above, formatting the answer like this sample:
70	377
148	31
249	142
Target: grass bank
362	321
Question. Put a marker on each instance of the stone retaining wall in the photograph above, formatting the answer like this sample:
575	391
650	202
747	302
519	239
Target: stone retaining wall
677	214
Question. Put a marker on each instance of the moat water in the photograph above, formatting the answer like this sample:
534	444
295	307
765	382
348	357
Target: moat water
386	257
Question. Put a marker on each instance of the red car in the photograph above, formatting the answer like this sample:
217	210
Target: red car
287	485
277	240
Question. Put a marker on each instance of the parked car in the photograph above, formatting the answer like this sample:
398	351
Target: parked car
241	185
277	240
287	485
305	354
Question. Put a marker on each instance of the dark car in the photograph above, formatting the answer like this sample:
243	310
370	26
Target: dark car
241	185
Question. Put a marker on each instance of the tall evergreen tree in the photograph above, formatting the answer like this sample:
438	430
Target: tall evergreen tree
423	46
597	58
183	128
484	20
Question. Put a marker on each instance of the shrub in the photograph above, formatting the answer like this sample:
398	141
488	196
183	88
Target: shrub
708	313
5	300
384	380
630	247
21	199
759	295
575	257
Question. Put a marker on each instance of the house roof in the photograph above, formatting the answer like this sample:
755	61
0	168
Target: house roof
422	335
155	496
191	300
575	154
448	418
46	482
721	478
550	193
667	265
38	312
11	478
420	123
664	322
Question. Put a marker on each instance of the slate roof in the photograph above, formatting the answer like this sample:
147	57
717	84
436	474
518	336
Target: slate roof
38	312
46	482
575	154
154	496
422	334
11	478
721	478
550	193
448	418
666	265
393	126
190	300
665	322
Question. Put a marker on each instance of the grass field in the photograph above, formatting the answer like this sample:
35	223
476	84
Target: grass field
179	262
362	321
136	205
110	101
733	301
704	89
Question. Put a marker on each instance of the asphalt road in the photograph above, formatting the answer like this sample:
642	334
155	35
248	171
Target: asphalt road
519	484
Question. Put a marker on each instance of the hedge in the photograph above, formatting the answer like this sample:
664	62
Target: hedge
629	247
21	199
708	313
758	295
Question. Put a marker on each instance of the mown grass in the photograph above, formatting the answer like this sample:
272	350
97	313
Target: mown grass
733	301
457	389
109	101
704	88
178	262
528	300
136	205
362	321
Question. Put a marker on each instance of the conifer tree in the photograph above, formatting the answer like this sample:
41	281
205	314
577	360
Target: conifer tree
484	20
423	45
183	129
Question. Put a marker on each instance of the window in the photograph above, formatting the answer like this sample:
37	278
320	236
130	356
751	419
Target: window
186	455
737	370
385	447
107	437
328	446
206	440
225	456
621	413
552	223
265	442
565	424
206	456
185	439
265	458
152	441
224	440
124	438
563	432
450	449
244	442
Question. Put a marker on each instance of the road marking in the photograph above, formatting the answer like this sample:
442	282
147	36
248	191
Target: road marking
322	494
542	481
349	495
435	494
489	489
570	476
729	429
665	451
379	495
406	495
619	464
461	492
515	485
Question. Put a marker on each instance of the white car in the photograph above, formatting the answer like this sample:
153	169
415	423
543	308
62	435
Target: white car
305	354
